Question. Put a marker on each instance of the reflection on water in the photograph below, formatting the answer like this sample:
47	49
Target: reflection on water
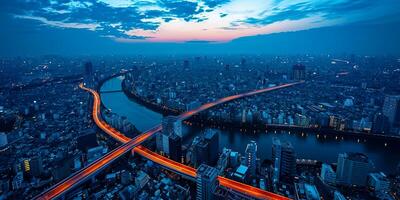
307	145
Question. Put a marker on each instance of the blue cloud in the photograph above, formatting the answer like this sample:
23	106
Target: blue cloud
331	9
111	20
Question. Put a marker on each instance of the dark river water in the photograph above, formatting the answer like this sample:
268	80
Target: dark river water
308	146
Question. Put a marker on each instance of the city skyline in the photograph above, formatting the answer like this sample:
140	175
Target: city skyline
200	99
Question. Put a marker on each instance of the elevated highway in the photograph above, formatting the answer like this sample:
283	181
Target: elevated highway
129	144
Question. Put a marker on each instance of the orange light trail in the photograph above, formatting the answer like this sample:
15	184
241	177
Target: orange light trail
129	144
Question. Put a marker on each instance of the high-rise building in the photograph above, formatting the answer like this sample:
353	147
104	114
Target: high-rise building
172	125
305	191
211	136
391	109
276	159
381	124
233	159
88	75
251	157
206	149
327	174
206	181
288	161
378	182
126	177
27	166
201	155
175	147
352	169
284	158
36	165
223	159
299	72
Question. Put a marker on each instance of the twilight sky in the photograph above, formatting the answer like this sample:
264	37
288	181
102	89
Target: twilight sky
183	21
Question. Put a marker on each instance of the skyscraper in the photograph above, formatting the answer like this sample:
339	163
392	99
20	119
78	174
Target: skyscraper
381	124
298	72
284	158
206	182
352	169
172	125
276	159
212	138
327	174
36	165
175	147
88	75
206	150
391	109
251	157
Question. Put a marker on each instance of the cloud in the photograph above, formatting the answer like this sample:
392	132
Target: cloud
188	20
330	9
109	17
89	26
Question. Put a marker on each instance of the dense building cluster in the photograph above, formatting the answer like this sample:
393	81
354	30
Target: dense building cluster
338	94
47	132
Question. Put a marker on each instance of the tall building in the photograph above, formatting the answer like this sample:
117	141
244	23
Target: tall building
305	191
206	181
381	124
299	72
251	157
200	152
352	169
36	165
206	150
172	125
391	109
175	147
378	182
211	136
276	159
327	174
284	158
88	75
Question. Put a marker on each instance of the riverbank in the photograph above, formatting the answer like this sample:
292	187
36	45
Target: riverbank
308	145
201	120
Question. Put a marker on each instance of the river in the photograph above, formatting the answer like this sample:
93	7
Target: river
307	145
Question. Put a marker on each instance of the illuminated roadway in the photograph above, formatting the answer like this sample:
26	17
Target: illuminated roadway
129	144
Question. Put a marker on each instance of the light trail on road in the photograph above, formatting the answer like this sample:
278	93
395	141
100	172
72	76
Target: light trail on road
129	144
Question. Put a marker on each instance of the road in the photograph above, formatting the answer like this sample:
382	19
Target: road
129	144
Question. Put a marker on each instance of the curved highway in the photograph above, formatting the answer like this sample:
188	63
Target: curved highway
129	144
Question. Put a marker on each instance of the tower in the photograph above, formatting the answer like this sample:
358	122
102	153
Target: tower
206	181
172	125
391	109
284	159
298	72
352	169
251	157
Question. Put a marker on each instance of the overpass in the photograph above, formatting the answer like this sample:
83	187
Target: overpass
129	144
